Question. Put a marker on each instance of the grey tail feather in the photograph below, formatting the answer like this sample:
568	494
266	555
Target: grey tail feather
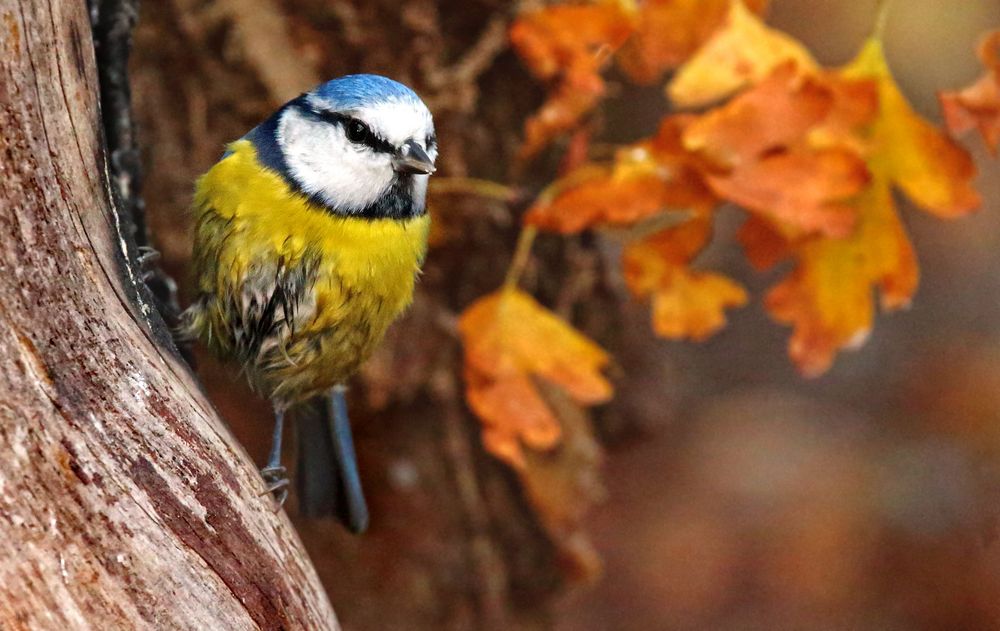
327	478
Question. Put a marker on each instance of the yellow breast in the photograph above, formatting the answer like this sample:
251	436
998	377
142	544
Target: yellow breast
348	278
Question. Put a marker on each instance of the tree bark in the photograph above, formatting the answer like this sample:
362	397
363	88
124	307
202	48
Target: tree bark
125	503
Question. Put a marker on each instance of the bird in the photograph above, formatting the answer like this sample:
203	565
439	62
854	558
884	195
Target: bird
309	234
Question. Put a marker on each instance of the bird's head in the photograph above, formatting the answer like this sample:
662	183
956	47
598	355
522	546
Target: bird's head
360	145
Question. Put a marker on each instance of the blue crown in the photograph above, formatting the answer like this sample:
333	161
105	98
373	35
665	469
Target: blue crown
357	90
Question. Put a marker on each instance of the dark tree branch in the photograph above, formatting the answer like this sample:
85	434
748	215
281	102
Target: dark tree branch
112	22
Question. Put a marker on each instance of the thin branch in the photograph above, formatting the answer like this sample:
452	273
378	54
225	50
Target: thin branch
522	254
112	22
473	186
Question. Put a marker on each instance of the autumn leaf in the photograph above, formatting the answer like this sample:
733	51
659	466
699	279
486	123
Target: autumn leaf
804	188
933	171
560	114
828	298
568	46
777	112
685	303
764	151
645	179
562	485
763	245
625	192
740	53
668	32
510	341
978	106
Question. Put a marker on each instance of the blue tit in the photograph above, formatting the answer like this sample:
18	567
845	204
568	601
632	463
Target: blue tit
309	235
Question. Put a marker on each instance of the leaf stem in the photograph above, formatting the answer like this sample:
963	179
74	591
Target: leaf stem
881	18
473	186
522	253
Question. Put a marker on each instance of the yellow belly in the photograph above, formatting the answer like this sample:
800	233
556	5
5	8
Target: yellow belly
345	280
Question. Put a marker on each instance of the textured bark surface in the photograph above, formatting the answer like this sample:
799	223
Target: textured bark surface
125	503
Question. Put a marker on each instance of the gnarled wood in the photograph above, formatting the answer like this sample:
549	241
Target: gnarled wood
124	501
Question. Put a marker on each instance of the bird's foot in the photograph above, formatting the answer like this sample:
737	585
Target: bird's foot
277	484
148	258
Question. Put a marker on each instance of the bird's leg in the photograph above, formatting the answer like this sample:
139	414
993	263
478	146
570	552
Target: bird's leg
355	511
272	472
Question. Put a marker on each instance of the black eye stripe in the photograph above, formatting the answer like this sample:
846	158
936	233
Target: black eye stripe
371	140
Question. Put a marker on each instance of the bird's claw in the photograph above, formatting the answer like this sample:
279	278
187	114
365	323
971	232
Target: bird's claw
277	484
148	258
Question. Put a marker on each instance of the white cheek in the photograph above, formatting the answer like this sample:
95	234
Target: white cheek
323	162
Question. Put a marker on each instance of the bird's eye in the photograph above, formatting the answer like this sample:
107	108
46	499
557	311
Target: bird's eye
357	131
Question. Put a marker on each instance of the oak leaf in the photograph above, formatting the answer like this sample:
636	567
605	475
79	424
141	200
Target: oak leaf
828	298
510	341
568	46
668	32
685	303
740	53
933	171
807	189
763	244
774	149
978	106
645	179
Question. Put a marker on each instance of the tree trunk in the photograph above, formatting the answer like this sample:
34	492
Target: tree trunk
125	503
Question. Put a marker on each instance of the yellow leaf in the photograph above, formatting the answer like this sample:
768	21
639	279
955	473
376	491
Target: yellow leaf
510	340
828	297
741	53
916	156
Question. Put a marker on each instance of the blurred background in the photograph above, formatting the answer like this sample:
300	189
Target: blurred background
737	495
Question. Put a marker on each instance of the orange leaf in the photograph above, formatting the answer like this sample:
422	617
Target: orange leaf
763	245
560	114
686	303
668	32
802	188
510	340
778	150
828	298
645	179
778	111
568	45
978	106
742	52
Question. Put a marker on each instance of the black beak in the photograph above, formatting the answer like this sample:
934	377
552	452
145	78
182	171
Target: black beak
412	159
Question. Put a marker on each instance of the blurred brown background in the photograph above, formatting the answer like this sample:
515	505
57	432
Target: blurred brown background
739	496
